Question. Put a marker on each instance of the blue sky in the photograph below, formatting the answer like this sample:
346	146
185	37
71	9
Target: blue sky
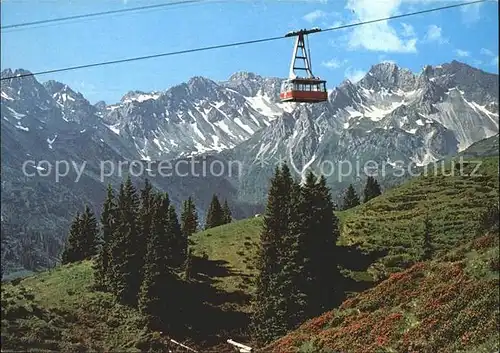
468	34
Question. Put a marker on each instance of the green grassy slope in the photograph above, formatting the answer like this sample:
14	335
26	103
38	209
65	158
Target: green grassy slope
446	305
234	246
56	311
391	223
485	147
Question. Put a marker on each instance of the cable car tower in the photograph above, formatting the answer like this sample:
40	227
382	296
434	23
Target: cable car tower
306	88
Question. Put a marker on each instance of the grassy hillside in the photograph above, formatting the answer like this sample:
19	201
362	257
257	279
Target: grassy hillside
447	305
56	311
234	247
390	225
393	222
59	311
485	147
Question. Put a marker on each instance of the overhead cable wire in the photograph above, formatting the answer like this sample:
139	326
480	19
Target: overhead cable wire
103	13
234	44
40	23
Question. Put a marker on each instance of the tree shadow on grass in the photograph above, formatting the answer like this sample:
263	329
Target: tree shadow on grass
351	258
212	311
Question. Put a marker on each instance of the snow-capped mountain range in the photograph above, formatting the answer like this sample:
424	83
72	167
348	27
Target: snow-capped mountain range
390	115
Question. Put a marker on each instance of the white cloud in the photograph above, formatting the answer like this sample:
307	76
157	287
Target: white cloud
434	34
462	53
471	13
315	15
334	63
354	75
495	61
378	36
408	30
485	51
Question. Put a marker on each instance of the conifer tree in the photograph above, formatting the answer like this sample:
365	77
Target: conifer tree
72	251
372	189
102	265
270	319
351	198
145	213
226	211
319	246
126	264
179	244
159	284
215	215
189	218
188	265
291	262
89	233
427	246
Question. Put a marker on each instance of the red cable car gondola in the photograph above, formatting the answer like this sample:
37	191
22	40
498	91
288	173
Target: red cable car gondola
309	89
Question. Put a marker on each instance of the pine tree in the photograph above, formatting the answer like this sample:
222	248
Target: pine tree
226	211
351	198
126	261
189	219
145	213
215	215
319	246
188	265
372	189
272	308
72	251
158	289
178	243
89	233
102	265
291	262
427	246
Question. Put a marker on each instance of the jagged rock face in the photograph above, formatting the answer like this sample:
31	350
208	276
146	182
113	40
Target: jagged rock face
390	115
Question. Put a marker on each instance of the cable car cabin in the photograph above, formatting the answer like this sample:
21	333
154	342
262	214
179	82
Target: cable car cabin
305	90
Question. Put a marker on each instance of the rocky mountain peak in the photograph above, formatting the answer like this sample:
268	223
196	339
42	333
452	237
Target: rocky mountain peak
244	76
390	76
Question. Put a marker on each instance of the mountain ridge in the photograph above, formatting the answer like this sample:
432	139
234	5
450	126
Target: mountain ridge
390	115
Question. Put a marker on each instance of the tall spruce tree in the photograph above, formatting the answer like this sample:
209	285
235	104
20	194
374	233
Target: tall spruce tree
351	198
189	219
82	243
107	220
427	246
319	246
215	214
271	317
89	233
158	288
145	213
291	262
372	189
126	261
179	244
72	251
226	211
